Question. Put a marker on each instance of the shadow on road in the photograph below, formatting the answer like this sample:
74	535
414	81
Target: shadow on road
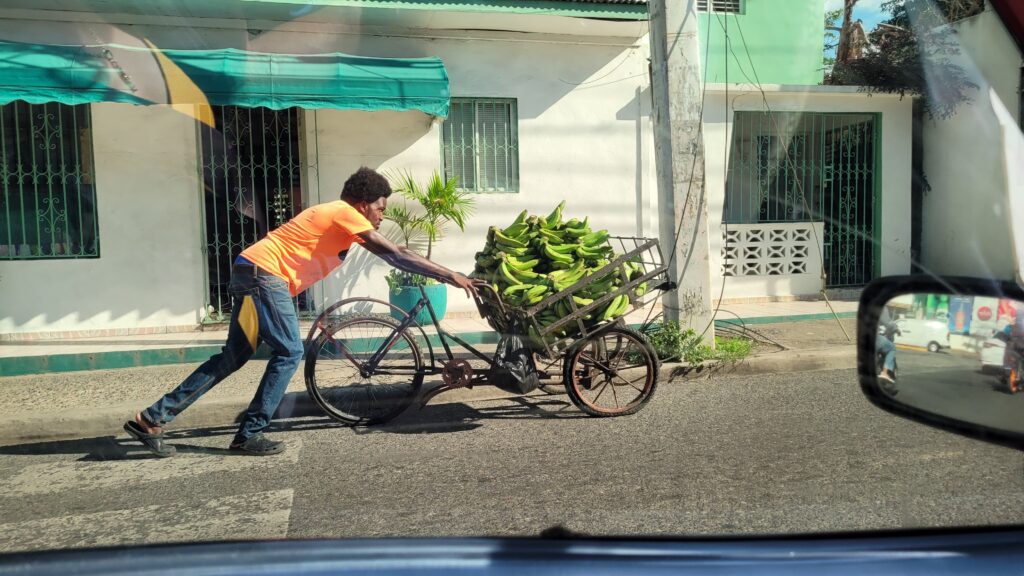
431	419
99	448
93	449
446	418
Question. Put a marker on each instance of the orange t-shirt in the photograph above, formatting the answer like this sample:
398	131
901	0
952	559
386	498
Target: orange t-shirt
309	246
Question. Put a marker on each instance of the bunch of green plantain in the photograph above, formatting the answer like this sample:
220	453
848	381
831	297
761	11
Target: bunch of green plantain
536	257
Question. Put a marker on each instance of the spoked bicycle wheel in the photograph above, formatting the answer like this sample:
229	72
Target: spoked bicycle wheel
611	374
341	381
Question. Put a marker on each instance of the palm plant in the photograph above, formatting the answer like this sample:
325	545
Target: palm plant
440	204
409	224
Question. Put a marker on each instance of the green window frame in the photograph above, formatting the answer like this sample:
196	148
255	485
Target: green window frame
47	192
480	144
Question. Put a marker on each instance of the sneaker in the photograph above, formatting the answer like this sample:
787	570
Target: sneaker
885	376
258	445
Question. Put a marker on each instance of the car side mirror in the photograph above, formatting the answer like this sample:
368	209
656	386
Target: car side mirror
954	360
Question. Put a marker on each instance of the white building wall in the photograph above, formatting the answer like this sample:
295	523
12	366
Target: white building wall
966	225
895	125
585	142
150	270
584	137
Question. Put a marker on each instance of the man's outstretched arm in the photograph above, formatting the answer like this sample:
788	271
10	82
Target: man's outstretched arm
409	261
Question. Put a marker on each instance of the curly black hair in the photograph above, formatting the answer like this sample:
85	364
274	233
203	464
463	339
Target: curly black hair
366	185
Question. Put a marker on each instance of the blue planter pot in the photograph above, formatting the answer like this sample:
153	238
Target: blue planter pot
437	294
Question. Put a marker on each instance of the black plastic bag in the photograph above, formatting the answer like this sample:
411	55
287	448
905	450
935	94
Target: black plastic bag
514	370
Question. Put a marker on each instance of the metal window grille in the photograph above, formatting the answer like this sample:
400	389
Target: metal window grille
48	197
480	139
732	6
802	167
251	185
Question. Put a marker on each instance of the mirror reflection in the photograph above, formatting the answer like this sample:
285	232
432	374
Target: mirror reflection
960	357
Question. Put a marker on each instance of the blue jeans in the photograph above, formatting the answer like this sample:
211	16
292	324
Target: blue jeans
885	346
262	311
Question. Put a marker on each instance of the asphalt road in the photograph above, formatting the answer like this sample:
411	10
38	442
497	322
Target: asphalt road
955	386
768	454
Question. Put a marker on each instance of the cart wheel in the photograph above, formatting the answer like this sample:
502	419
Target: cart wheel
611	374
338	383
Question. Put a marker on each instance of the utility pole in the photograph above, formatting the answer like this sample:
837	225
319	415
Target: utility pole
679	158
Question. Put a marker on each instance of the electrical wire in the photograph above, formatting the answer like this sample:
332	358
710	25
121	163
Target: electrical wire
725	172
700	134
588	87
647	27
790	165
693	166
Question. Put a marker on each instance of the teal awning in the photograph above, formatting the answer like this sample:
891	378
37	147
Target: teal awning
39	73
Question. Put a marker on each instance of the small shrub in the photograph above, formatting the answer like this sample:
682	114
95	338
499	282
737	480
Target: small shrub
398	279
668	341
673	344
732	349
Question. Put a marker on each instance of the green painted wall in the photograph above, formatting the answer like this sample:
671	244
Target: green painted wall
785	39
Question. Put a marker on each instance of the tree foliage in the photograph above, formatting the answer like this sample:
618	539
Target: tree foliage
832	18
914	52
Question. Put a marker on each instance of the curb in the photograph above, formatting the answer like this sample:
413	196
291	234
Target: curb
787	361
55	363
785	319
106	422
113	360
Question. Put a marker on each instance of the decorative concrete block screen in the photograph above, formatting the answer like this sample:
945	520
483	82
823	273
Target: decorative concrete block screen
779	259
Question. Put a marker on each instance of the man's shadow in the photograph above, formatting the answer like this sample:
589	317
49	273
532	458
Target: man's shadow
123	447
430	419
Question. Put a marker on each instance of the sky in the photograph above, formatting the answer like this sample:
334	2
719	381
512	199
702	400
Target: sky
869	11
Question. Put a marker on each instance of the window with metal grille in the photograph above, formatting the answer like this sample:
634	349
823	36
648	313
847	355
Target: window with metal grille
480	138
47	193
809	167
734	6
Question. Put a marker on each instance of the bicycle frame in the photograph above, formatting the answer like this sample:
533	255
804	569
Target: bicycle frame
370	367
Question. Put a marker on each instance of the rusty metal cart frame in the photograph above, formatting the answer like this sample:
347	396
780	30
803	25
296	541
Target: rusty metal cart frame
591	351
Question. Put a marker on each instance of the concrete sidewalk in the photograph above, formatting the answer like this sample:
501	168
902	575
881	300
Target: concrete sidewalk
77	404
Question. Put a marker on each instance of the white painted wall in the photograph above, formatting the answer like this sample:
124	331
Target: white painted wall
896	125
966	227
584	136
150	270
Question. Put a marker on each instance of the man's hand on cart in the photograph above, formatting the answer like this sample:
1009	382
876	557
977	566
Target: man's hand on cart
469	285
